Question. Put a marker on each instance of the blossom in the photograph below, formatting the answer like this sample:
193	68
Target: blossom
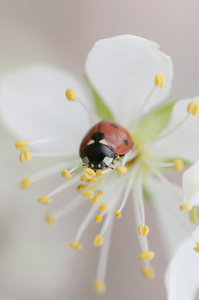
181	278
128	77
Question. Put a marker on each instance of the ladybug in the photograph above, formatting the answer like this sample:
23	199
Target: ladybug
103	143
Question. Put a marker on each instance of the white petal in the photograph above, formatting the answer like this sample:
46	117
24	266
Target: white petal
122	70
190	184
34	105
183	272
174	225
182	142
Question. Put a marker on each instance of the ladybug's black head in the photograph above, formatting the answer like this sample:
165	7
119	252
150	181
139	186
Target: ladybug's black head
96	155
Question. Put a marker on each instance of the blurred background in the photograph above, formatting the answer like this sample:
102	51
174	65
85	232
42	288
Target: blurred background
35	262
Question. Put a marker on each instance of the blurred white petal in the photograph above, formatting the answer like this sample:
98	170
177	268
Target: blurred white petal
182	275
34	105
122	70
190	184
182	142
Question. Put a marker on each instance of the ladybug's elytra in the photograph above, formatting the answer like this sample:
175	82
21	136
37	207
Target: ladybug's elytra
103	143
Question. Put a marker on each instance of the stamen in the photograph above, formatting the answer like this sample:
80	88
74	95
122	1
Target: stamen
98	240
99	287
193	108
50	218
44	200
121	170
126	194
159	80
100	192
146	255
75	245
82	187
158	47
118	214
87	194
197	247
70	95
148	272
186	207
95	199
22	157
99	173
103	207
178	164
65	173
41	175
26	183
103	258
21	145
143	231
89	172
98	219
58	189
28	156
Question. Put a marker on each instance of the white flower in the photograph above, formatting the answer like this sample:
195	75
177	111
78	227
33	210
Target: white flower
182	274
128	77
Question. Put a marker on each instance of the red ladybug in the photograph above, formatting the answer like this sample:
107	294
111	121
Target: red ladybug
103	143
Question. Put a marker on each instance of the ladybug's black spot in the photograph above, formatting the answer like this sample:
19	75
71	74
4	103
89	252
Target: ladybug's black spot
126	142
97	136
113	125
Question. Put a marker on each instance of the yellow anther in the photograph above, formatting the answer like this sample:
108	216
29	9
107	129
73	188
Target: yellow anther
144	231
178	164
146	255
82	187
50	219
93	180
100	192
158	47
98	219
193	108
186	207
26	183
87	194
82	178
75	245
190	107
44	200
22	157
197	247
121	170
99	173
66	174
103	207
98	240
99	287
196	109
159	80
95	199
118	214
89	171
70	94
28	156
20	144
22	148
87	176
148	272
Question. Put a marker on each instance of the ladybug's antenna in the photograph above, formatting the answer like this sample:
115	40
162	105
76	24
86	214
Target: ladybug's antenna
71	96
